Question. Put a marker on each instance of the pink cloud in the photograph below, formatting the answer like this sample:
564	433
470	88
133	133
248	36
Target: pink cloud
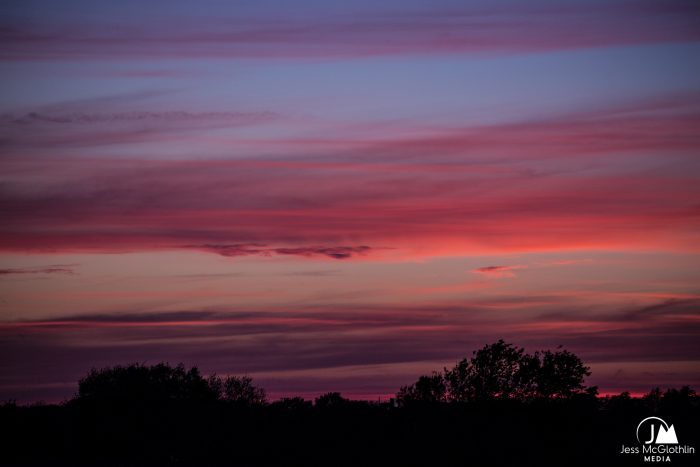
442	29
547	185
173	205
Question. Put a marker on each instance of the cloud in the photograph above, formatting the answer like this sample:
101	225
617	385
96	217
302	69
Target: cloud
138	117
677	309
335	252
438	28
554	184
498	272
56	127
565	262
53	269
316	273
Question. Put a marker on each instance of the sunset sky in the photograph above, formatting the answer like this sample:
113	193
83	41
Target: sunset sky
341	196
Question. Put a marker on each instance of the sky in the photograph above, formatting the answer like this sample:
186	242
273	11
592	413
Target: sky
342	196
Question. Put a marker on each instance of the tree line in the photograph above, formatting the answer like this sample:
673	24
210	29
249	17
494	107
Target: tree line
498	371
501	406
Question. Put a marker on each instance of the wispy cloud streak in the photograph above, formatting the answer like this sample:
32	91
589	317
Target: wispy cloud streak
335	252
497	271
432	28
53	269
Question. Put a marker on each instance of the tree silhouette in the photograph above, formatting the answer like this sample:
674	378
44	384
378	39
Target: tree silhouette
238	389
330	400
675	398
142	384
292	403
495	371
503	371
432	388
560	374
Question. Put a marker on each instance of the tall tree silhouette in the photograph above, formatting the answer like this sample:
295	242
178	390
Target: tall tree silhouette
560	374
494	371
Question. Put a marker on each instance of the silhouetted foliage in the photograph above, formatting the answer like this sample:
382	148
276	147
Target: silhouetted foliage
330	400
511	414
238	389
674	399
144	384
292	403
560	374
503	371
431	388
493	371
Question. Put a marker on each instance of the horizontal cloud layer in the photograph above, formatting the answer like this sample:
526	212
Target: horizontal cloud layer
406	28
293	348
583	180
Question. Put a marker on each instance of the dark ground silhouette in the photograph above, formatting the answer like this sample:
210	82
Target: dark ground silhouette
501	407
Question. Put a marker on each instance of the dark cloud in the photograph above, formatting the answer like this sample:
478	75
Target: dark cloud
254	249
671	307
497	271
53	269
658	312
80	125
138	117
488	269
335	252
